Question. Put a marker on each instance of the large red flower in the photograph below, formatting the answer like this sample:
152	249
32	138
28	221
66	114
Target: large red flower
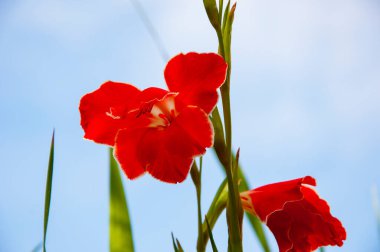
155	130
299	219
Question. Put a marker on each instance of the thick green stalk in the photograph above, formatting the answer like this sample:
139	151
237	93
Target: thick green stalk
244	186
233	206
224	38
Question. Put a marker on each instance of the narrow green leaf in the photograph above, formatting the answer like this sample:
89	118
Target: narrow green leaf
49	182
174	244
180	249
235	171
121	239
213	245
216	208
212	13
321	249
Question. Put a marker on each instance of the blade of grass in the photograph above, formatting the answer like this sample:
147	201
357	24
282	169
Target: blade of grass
121	239
213	245
180	249
174	244
49	182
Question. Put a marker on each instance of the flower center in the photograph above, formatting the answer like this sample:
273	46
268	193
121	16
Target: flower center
163	112
160	113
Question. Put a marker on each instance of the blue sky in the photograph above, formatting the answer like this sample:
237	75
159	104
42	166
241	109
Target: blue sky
305	97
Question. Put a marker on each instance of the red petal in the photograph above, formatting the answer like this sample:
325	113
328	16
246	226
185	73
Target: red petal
299	219
165	152
127	152
308	227
274	196
196	77
151	93
103	112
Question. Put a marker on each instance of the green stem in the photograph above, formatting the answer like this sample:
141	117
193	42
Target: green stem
221	43
232	207
196	177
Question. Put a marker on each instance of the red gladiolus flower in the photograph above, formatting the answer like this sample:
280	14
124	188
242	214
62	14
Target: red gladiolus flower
155	130
299	219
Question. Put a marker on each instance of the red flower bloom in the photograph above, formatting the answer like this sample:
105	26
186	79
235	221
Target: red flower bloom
154	130
299	219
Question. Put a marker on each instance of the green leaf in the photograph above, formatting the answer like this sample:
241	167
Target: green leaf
180	249
212	13
121	239
213	245
321	249
174	244
49	182
216	208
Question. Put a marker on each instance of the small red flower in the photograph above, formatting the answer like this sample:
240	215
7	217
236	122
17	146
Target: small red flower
155	130
299	219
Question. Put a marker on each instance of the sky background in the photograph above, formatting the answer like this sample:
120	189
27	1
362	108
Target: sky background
305	101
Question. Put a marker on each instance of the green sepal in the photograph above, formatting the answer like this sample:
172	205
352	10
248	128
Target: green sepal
212	13
227	31
219	140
